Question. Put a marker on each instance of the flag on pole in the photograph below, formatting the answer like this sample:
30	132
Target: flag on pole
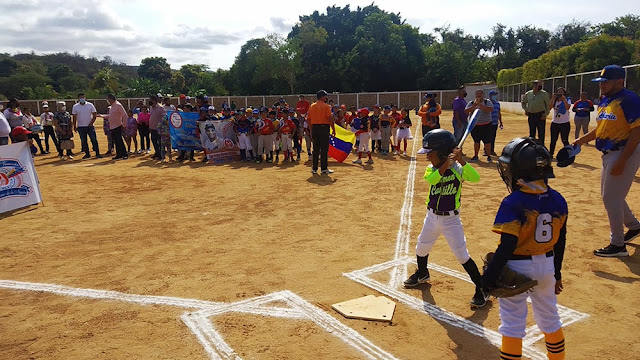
19	185
340	145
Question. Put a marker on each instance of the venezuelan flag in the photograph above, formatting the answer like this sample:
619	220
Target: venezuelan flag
341	144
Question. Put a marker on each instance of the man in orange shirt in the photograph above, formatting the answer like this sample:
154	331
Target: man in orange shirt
321	119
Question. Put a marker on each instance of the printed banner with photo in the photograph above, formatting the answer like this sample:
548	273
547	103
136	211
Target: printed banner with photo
19	185
184	130
218	139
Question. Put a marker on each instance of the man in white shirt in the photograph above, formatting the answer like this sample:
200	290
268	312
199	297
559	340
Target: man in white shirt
5	130
84	115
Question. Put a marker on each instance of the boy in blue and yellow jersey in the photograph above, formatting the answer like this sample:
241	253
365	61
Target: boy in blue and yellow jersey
531	222
445	175
617	135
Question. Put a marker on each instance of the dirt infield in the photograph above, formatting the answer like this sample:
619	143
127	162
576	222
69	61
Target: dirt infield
231	233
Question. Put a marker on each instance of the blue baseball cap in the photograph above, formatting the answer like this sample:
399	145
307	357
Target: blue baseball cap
387	107
493	92
611	72
429	95
256	111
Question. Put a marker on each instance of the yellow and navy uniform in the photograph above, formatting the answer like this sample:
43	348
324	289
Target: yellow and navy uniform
535	214
617	115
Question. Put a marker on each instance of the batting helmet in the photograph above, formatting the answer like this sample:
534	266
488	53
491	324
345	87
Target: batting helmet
439	140
524	158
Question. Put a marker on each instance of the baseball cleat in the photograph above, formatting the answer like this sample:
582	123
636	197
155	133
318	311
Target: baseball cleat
357	161
479	299
630	235
327	171
370	161
612	251
314	171
416	279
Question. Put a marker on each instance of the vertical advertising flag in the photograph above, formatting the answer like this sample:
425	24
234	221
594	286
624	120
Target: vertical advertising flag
19	185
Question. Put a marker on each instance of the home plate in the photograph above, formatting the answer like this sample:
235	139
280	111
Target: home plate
377	308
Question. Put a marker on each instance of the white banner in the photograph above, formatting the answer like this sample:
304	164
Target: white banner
19	185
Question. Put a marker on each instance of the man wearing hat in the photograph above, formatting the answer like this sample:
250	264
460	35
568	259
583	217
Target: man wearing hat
46	119
321	120
430	113
536	105
617	136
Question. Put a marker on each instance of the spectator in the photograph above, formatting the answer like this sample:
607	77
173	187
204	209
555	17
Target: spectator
583	109
138	108
131	132
321	121
84	116
5	130
143	129
32	124
496	120
22	134
535	103
63	122
233	105
459	115
46	120
303	105
117	123
13	114
561	123
482	130
106	128
157	112
430	114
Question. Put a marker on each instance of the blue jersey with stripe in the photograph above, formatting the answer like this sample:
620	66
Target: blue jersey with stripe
617	115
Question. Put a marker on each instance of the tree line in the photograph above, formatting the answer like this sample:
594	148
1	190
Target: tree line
345	50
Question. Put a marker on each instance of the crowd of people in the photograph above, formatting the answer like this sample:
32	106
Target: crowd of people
262	133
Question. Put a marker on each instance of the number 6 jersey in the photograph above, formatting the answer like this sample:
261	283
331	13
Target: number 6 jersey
534	213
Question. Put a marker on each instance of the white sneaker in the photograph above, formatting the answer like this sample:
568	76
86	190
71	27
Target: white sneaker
370	161
404	153
357	161
71	157
327	172
395	152
148	151
314	171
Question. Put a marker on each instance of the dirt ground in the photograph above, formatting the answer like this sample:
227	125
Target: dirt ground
233	232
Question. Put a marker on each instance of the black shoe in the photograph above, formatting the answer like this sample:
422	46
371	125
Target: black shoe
474	159
86	156
98	156
612	251
417	279
493	153
630	235
479	299
125	157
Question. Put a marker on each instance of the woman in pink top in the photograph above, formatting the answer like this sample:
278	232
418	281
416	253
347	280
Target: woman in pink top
143	129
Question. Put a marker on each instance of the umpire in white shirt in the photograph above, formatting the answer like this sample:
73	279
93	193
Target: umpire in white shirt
84	115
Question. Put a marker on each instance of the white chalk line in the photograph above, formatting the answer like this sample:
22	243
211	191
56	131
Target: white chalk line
404	230
198	321
398	271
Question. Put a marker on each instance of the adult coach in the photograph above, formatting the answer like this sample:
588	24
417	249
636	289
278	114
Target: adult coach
536	105
430	114
157	112
617	135
84	116
117	121
460	117
321	119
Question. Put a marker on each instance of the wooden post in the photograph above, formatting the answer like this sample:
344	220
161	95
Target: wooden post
358	100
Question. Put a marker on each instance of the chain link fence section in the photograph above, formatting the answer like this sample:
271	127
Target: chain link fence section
574	84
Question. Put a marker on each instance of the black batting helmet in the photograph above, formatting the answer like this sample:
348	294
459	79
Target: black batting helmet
439	140
524	158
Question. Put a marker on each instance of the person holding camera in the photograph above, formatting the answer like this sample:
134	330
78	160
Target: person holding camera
535	103
560	125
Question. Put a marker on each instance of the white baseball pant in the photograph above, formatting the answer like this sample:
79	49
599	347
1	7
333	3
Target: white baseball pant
450	227
513	310
364	139
403	134
285	139
244	142
265	144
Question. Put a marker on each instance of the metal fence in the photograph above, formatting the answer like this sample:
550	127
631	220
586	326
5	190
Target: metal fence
408	99
573	83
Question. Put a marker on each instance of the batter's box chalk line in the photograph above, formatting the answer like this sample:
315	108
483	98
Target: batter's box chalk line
533	334
198	314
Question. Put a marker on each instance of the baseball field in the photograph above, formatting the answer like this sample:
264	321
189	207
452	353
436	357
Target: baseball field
140	260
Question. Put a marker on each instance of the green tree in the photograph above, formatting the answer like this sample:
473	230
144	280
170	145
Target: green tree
105	81
532	42
571	33
190	72
8	66
13	85
624	26
155	68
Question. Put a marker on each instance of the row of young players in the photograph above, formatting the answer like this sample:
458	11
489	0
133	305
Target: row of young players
265	131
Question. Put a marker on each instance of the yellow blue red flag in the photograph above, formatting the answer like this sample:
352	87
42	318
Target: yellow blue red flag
341	144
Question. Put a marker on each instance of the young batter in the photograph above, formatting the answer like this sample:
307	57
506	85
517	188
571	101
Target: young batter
531	222
445	175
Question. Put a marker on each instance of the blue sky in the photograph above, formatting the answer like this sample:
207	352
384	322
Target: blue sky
212	32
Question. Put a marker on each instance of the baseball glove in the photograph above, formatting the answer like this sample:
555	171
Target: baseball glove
509	282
